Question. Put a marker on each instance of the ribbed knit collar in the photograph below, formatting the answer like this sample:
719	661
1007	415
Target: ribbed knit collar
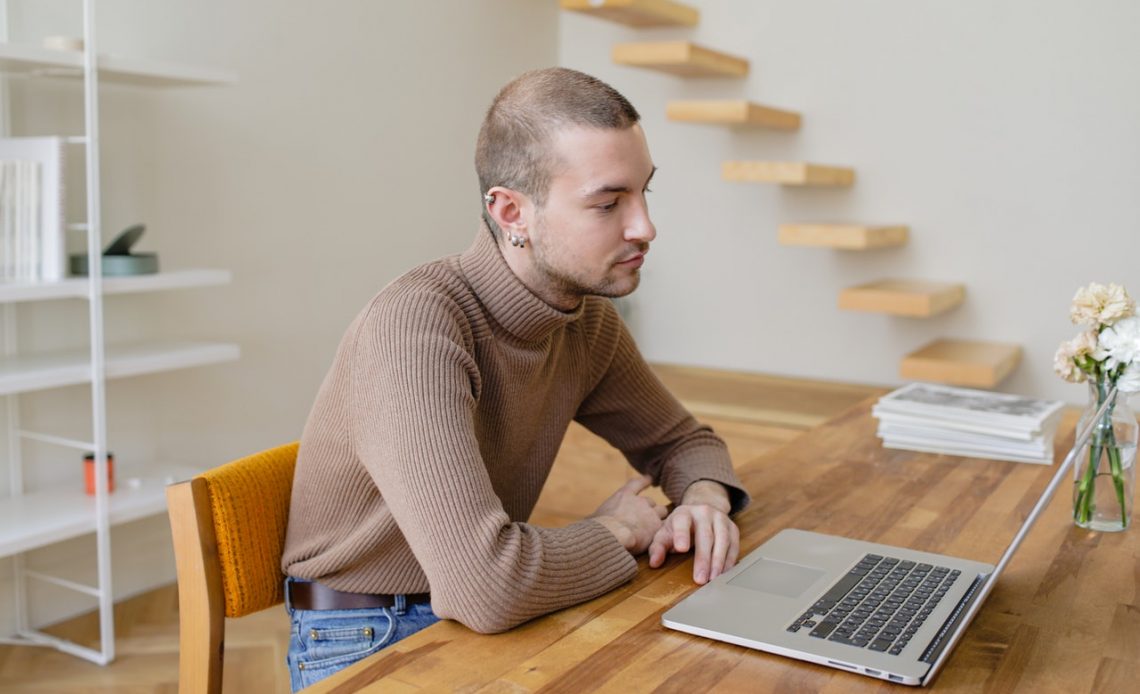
509	301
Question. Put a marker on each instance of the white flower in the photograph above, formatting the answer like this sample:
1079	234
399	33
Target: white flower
1064	363
1129	381
1097	304
1120	343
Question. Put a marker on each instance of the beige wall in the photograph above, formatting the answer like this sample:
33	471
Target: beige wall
1005	134
341	158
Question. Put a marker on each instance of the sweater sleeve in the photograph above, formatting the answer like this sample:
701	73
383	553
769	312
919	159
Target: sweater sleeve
415	389
636	413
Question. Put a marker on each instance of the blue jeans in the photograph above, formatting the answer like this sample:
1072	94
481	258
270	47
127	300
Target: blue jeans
326	641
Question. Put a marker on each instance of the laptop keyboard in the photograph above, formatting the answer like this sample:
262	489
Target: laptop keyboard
879	604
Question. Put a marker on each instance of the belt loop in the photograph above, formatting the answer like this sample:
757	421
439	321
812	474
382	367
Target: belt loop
401	604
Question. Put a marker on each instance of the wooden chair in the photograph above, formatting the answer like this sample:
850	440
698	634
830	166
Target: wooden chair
229	530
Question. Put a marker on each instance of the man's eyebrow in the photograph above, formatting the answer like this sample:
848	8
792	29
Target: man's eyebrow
615	189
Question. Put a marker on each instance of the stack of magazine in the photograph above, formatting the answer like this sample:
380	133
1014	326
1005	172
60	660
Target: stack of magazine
973	423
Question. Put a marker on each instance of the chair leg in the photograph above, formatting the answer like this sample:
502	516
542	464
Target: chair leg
201	611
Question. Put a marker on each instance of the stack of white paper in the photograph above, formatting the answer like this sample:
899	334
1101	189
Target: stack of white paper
32	242
972	423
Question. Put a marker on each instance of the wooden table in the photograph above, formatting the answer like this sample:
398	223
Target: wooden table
1065	617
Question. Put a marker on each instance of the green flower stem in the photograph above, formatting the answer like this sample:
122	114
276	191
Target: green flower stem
1103	441
1083	509
1118	481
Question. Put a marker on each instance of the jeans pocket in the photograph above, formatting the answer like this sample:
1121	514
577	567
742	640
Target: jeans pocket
333	643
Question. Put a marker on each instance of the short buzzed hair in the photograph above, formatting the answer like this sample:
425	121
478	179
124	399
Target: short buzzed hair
514	145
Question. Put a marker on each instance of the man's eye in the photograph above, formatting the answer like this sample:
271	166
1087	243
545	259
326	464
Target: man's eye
608	207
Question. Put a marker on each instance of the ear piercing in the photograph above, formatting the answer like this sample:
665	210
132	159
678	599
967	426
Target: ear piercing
517	240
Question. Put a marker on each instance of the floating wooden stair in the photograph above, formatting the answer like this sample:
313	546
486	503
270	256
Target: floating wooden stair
637	13
961	363
680	58
849	237
788	173
912	298
732	112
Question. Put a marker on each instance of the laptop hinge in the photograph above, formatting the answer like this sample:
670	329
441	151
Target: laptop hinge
939	643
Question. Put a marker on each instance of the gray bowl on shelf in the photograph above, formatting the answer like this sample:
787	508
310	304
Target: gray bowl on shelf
118	265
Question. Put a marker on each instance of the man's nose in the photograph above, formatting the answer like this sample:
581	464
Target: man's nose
640	228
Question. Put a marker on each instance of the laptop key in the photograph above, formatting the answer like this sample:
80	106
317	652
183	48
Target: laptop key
880	645
824	628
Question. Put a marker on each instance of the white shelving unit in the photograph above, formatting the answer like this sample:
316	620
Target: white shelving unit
35	61
77	287
41	518
32	519
29	373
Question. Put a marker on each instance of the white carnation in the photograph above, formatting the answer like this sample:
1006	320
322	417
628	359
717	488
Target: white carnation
1129	381
1120	343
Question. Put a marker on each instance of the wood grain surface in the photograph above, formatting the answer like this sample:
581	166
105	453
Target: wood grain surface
1065	617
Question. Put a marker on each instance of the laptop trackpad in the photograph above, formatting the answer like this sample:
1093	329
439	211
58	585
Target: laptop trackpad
777	577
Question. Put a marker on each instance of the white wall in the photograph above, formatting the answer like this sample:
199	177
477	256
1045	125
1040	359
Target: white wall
1004	133
342	157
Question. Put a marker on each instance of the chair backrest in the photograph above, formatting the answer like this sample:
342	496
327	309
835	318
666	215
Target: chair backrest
228	525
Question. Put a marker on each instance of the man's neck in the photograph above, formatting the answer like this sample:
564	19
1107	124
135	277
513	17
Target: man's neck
523	268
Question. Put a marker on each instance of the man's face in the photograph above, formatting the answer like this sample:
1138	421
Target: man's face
592	234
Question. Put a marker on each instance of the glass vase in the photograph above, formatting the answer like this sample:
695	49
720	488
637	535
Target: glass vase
1105	470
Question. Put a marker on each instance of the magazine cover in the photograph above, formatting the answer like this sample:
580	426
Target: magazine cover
967	405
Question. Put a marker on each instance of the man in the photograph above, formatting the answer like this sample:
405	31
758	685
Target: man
449	396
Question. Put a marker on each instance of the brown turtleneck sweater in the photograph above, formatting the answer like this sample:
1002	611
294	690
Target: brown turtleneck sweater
436	427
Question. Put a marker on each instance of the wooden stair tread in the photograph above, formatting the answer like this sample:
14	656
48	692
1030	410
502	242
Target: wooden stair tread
732	112
682	58
788	173
637	13
968	363
914	298
852	237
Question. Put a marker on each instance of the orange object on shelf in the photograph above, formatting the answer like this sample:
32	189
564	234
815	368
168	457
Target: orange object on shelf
89	473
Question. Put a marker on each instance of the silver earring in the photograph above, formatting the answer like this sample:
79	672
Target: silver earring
518	241
489	198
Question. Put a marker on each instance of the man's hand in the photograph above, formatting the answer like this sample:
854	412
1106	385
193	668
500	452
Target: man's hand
701	522
633	519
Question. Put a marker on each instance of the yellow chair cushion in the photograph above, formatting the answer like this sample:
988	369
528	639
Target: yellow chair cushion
250	502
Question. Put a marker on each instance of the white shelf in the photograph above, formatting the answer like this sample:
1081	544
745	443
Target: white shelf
38	61
22	374
76	287
46	516
41	518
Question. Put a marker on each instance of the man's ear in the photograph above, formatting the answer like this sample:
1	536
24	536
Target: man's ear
507	207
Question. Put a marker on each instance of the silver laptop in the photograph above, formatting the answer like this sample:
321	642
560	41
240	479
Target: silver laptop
872	609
